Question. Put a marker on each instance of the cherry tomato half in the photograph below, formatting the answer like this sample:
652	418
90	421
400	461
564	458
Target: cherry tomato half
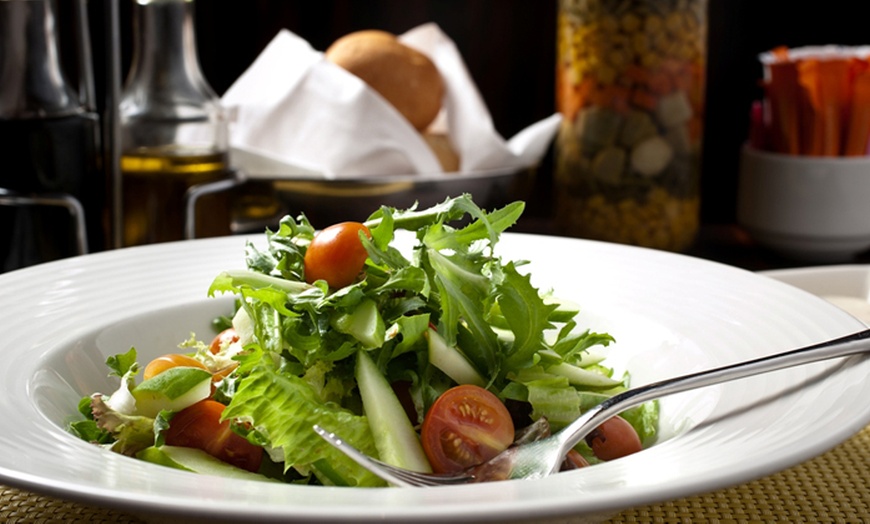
467	425
172	360
222	340
199	426
613	439
336	254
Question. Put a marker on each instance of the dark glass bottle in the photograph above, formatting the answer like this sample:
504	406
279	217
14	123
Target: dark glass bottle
50	141
174	132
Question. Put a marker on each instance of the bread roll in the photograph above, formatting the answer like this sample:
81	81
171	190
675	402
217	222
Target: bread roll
405	77
447	156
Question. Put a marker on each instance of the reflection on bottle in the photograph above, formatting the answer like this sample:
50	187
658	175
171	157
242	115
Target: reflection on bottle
45	156
50	142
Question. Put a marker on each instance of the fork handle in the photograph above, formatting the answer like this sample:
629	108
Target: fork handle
855	343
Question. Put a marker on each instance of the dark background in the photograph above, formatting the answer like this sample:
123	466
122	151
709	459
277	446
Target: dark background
509	48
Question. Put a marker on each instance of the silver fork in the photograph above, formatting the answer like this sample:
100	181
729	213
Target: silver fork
543	457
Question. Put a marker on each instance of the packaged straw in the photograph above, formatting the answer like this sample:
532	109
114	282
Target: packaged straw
817	100
858	131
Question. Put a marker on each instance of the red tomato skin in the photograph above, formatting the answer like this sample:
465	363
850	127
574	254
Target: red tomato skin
336	255
199	426
466	426
614	438
222	339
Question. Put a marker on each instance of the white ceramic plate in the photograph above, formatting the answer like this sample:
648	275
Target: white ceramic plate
846	286
670	314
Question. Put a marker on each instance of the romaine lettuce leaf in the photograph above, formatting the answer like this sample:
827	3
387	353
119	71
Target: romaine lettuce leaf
284	408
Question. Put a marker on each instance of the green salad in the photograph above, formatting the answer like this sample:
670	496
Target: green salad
432	358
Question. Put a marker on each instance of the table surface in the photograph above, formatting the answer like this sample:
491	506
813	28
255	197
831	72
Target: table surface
833	487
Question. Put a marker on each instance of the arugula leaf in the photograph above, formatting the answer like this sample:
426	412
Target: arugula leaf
123	363
463	290
413	220
487	226
572	343
286	249
526	314
410	279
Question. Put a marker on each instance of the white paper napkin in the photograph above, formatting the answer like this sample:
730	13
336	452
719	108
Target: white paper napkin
295	114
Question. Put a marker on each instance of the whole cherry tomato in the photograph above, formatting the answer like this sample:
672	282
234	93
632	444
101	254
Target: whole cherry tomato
336	254
467	425
613	439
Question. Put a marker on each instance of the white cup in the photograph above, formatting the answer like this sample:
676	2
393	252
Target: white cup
806	208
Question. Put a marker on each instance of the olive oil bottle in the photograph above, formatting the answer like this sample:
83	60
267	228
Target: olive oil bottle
174	133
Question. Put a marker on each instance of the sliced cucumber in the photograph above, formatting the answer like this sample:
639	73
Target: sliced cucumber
364	324
197	461
395	439
451	361
590	358
586	358
565	310
172	390
244	326
581	377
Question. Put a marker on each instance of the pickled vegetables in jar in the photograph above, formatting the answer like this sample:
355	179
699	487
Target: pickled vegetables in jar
630	86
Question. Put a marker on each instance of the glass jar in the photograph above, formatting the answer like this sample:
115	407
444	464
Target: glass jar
174	132
52	189
630	85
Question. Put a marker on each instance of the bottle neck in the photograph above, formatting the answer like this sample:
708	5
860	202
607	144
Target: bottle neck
32	83
164	55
